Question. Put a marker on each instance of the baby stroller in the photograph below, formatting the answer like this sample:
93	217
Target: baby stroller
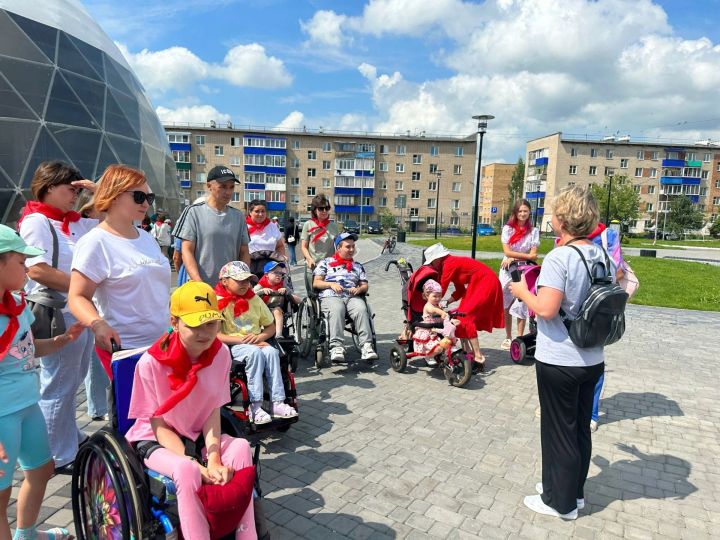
455	363
523	347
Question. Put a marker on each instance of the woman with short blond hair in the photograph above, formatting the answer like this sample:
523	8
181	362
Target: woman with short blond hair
566	374
122	267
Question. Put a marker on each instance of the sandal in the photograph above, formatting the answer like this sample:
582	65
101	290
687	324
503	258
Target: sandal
282	410
259	417
57	533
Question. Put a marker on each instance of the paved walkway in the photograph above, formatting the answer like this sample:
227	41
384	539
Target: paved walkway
378	454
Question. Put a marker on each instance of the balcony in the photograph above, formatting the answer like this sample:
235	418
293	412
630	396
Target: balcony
366	192
185	184
180	147
183	166
354	209
534	195
694	163
540	161
275	205
671	180
690	181
673	162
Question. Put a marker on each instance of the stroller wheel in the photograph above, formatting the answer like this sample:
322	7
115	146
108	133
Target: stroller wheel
458	368
518	350
398	358
319	356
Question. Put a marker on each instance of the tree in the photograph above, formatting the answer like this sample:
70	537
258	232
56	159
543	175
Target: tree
624	200
683	216
387	220
517	181
715	229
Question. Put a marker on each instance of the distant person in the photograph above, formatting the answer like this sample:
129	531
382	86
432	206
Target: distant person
292	236
213	232
266	240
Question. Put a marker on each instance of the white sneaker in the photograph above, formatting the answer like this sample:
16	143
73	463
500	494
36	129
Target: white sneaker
593	426
505	345
535	503
337	354
367	352
580	502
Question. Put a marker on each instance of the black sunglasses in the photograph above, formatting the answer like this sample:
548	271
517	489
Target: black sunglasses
324	208
140	197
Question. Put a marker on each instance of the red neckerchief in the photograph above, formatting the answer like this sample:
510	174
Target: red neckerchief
320	226
519	231
265	283
339	261
12	309
255	227
169	351
598	231
225	297
50	212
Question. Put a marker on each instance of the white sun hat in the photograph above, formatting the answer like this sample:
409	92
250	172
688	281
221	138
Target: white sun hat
435	251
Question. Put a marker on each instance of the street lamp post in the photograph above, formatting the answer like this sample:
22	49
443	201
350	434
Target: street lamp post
607	211
482	120
437	201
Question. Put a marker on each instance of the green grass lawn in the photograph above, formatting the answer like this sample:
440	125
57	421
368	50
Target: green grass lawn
670	283
484	243
669	244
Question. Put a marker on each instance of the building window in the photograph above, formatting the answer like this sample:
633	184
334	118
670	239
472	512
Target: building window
455	204
183	175
653	173
327	147
434	150
454	221
432	203
312	173
592	170
415	194
608	153
690	156
414	212
400	167
432	185
417	159
457	169
640	155
181	156
326	182
200	140
649	207
655	155
623	163
200	158
706	158
383	148
295	163
326	165
312	155
311	191
716	201
433	168
609	171
296	145
235	141
593	152
636	188
416	176
573	152
400	149
219	150
295	181
399	185
382	184
430	220
178	137
638	172
295	198
382	201
573	169
383	166
456	186
199	193
704	175
459	151
235	160
235	197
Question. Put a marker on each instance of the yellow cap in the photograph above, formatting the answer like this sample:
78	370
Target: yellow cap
195	303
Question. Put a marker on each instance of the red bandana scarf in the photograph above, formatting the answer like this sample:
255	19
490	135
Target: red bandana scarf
598	231
265	284
320	226
255	227
12	309
50	212
225	297
169	351
339	261
519	231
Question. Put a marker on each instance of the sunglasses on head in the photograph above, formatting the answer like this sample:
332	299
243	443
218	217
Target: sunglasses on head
140	197
323	208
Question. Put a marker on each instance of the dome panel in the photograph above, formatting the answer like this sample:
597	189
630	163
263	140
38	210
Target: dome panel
64	107
30	80
128	150
91	94
106	157
93	56
71	59
43	36
80	145
115	119
45	149
11	106
14	42
6	202
16	138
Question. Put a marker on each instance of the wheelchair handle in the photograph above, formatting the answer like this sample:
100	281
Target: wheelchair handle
387	266
456	314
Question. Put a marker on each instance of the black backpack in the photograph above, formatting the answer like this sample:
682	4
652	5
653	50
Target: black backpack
601	320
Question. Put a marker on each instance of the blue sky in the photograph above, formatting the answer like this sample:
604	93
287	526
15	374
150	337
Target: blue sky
638	67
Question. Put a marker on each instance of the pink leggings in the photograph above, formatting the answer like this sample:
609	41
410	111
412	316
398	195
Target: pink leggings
235	453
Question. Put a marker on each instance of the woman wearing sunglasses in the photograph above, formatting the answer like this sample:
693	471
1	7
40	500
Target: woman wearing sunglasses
122	268
50	223
317	237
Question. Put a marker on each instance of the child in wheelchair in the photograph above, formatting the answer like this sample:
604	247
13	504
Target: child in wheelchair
179	386
276	293
247	325
430	341
342	283
23	433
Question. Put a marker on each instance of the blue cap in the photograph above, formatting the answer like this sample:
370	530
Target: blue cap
270	266
344	236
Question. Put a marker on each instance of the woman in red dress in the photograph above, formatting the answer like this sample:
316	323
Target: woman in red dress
478	289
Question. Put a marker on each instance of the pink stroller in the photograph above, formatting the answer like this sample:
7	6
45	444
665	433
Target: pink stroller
523	347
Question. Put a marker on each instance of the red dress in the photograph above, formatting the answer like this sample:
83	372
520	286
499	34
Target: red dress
479	290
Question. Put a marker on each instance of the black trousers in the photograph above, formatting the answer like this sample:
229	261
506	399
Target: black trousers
566	398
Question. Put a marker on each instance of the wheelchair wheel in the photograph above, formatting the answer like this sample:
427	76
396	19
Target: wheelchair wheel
391	247
106	491
458	369
305	326
518	350
398	358
319	358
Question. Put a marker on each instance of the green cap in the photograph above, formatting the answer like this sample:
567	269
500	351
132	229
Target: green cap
11	241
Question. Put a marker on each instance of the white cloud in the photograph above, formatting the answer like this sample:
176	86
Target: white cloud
249	65
326	28
193	114
294	120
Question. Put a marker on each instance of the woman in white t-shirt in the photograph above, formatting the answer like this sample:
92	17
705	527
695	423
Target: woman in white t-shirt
122	267
266	240
55	186
520	241
566	374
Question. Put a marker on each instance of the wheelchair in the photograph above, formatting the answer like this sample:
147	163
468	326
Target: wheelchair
313	332
114	495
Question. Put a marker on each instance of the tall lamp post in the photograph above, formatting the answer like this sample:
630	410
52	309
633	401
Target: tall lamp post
607	211
437	201
482	120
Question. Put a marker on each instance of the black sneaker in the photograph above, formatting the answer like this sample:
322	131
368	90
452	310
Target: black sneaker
65	469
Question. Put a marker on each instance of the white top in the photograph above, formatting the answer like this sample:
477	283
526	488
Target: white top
267	239
133	278
35	231
525	244
162	234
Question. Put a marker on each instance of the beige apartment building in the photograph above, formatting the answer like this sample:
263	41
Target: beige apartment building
495	197
659	172
363	175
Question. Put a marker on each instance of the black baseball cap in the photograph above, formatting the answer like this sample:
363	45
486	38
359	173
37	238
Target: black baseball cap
221	173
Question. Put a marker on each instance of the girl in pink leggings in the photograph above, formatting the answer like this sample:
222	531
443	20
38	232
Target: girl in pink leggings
179	386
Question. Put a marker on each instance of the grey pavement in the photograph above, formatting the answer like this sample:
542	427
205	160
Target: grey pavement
377	454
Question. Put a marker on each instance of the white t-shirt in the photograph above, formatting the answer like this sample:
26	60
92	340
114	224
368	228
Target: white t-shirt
133	278
35	231
162	234
265	240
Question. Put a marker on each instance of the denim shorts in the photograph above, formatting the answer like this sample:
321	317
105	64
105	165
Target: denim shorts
24	436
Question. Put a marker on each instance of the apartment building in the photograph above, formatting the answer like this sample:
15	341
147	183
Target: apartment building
659	172
495	192
363	175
